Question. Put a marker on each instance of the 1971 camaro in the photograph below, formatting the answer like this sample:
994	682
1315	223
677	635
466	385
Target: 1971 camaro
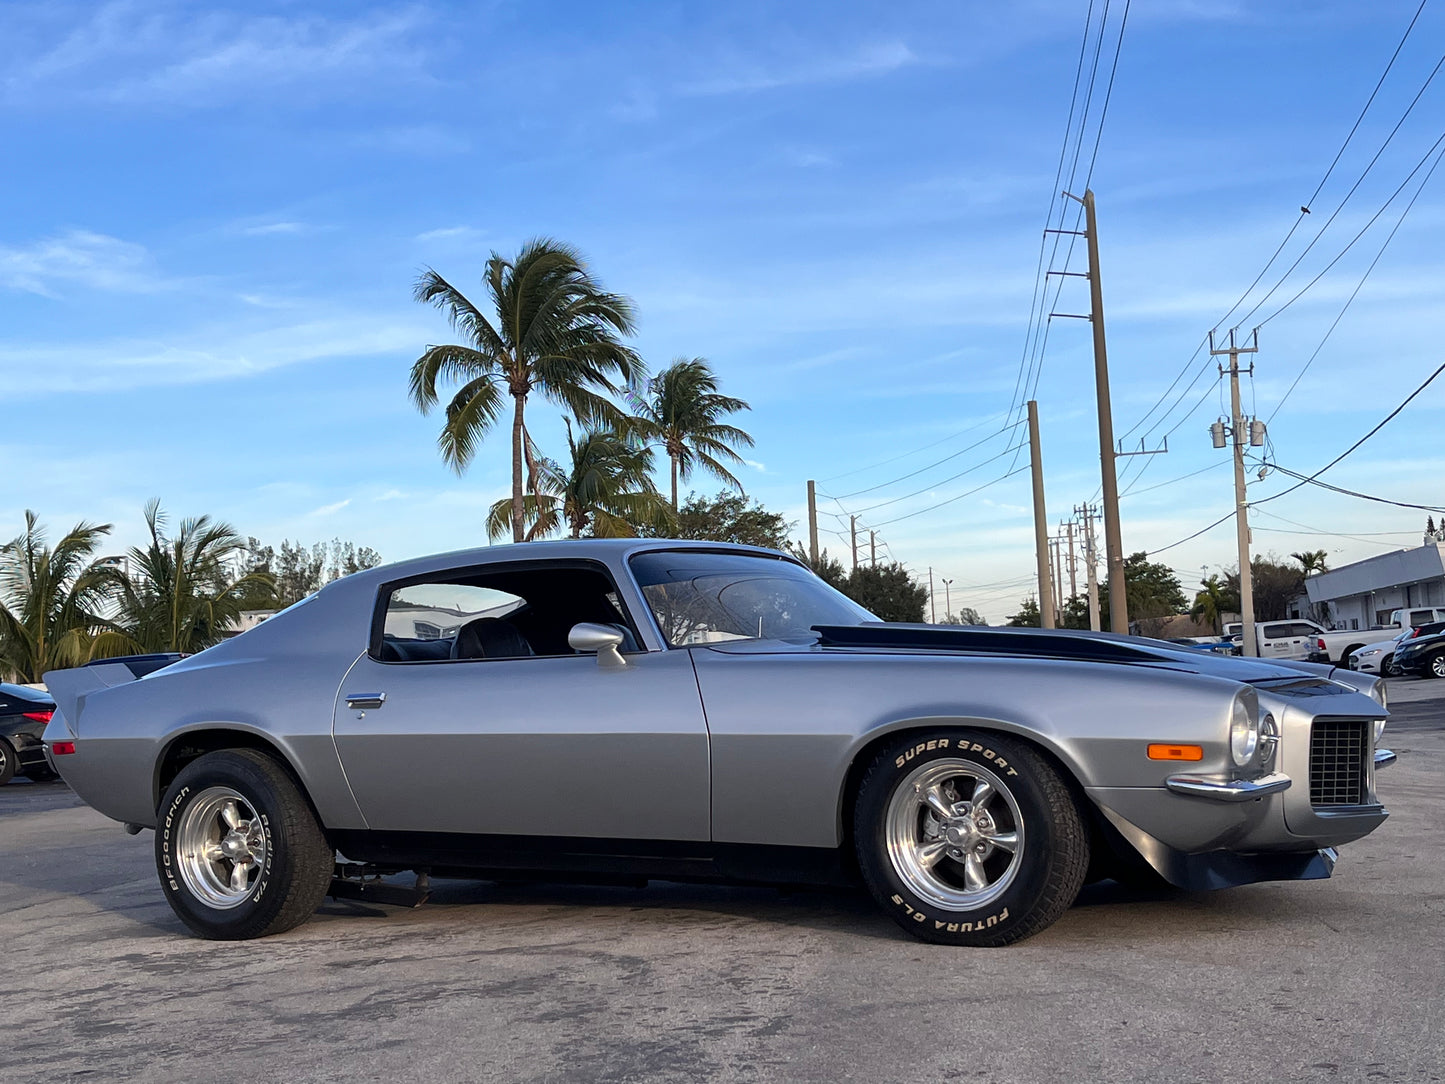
633	709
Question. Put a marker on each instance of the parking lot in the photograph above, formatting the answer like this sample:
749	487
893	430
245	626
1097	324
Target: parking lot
1332	980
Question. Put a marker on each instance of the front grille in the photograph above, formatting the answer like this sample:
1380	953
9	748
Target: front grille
1339	761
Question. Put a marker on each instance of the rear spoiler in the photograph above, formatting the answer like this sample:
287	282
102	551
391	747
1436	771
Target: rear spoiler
69	688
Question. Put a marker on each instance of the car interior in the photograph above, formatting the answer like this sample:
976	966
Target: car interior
510	613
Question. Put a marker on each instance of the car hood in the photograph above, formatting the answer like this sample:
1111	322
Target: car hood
1076	645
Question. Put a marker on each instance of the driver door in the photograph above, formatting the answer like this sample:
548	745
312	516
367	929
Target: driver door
541	745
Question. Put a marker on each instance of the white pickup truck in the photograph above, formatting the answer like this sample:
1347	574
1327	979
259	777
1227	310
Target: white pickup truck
1304	640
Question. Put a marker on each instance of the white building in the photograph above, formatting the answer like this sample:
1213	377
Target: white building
1362	595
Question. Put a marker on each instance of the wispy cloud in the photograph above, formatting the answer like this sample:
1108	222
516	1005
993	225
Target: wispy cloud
80	258
202	355
873	59
269	228
391	495
452	233
759	467
130	53
328	509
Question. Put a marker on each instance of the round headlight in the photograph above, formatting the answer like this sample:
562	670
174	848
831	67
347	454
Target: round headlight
1244	729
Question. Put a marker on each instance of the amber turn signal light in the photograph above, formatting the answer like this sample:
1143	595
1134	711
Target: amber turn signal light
1176	752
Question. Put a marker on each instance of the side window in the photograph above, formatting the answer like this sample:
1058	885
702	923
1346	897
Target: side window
1276	632
1420	617
496	612
1304	628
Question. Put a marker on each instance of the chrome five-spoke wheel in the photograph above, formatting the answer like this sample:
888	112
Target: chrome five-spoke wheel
954	833
220	847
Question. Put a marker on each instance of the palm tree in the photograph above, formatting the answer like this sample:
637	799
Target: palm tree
177	594
1312	560
51	600
604	490
554	331
1211	602
681	411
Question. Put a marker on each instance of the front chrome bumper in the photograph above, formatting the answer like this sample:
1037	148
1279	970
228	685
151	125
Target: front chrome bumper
1235	790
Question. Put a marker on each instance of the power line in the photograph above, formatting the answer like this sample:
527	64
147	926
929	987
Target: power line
1227	516
1213	466
935	485
1281	247
930	466
904	455
1358	287
1382	423
1363	230
1353	188
1307	529
1346	492
960	496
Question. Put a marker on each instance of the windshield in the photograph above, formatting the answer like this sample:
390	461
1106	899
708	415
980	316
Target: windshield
705	598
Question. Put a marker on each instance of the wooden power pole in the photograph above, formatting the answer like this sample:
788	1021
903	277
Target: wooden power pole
1241	430
812	523
1041	529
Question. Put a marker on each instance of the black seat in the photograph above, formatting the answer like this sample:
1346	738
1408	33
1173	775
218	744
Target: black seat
490	638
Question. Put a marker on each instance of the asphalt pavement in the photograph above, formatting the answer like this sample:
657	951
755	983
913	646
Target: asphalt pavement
1334	980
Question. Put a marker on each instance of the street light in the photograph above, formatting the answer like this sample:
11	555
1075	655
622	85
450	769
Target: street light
947	605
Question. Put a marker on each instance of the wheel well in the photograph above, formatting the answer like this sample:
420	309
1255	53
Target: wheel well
1350	651
1098	827
196	743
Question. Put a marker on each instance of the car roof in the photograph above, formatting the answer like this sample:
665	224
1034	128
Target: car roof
24	692
597	549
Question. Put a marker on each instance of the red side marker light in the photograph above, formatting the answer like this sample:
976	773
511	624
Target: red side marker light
37	716
62	748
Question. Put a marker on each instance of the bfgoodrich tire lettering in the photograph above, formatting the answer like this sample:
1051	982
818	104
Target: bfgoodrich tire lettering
968	838
238	849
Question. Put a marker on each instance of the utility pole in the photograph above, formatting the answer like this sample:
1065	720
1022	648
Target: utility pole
1073	571
947	600
1090	557
1057	545
812	523
1240	429
853	533
1041	530
873	548
932	613
1113	542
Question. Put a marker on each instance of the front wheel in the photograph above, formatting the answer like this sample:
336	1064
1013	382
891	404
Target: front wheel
238	849
969	838
1436	665
1388	667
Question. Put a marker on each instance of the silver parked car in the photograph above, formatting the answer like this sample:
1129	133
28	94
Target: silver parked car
643	709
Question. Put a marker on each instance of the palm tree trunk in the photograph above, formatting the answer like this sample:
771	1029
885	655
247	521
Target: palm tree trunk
518	451
674	483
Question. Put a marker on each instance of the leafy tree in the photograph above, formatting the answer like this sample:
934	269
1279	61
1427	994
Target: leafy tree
683	411
1213	600
295	571
1028	615
51	600
554	331
1151	588
966	615
888	591
728	517
176	593
828	568
1276	585
605	490
1075	614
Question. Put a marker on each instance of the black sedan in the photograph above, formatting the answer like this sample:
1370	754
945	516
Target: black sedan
1423	654
24	713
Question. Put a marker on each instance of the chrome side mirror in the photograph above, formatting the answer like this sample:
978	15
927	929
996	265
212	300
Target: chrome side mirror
602	639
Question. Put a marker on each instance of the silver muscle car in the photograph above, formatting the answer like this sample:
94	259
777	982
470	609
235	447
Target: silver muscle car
634	709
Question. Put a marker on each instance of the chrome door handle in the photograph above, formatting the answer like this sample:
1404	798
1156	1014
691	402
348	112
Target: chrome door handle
365	700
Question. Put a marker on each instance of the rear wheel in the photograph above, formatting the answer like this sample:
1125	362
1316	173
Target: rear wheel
1436	666
238	849
7	761
1388	667
969	838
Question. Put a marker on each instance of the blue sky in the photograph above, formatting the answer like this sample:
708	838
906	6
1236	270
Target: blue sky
212	216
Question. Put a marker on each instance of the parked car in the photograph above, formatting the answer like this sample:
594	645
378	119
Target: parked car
1419	615
1300	639
24	713
1423	654
639	709
1379	658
